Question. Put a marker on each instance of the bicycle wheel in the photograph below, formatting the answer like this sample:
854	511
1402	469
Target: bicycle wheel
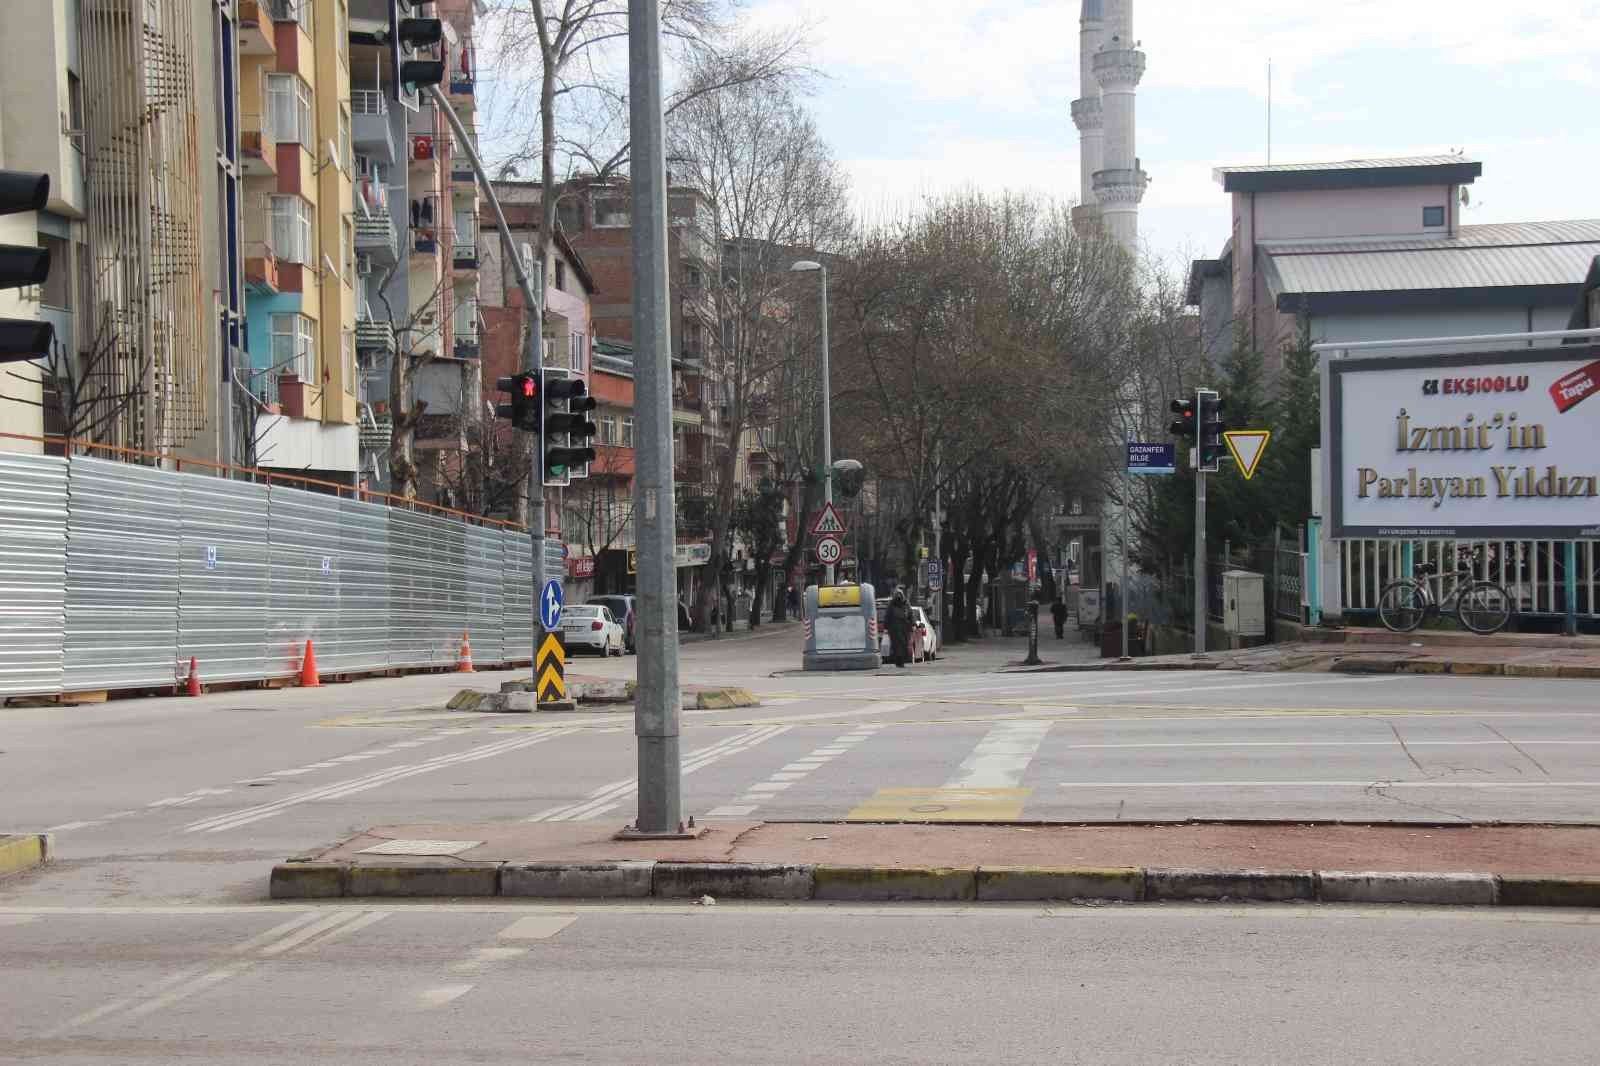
1484	607
1402	606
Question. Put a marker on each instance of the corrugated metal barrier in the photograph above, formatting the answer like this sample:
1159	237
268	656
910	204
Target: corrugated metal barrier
113	575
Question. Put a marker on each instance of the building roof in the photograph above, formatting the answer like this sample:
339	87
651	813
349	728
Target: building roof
1581	316
1510	264
1351	174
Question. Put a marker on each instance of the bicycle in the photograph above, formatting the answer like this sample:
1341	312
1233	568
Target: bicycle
1481	606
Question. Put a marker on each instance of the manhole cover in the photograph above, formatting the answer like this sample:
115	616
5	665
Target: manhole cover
929	808
421	847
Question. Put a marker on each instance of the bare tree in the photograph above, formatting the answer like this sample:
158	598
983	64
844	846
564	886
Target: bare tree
775	195
599	509
89	391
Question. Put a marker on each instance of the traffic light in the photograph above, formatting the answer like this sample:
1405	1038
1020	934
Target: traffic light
1184	425
524	409
20	265
406	35
1211	427
564	437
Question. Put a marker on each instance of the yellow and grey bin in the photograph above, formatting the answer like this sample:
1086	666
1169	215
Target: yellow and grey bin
841	628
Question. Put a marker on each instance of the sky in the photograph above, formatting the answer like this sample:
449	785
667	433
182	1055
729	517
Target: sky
921	96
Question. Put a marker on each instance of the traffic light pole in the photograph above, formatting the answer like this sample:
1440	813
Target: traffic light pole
1200	589
533	300
656	709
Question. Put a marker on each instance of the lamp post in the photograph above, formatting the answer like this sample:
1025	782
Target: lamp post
827	406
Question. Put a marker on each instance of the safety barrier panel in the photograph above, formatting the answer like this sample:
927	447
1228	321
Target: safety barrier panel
113	575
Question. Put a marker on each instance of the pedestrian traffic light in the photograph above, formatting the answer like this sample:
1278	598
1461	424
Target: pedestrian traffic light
1211	427
406	35
564	438
20	265
524	409
1184	424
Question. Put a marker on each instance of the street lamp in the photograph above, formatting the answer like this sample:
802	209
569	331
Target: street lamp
827	407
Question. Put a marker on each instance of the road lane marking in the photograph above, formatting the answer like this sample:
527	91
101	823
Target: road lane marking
986	787
1380	783
1001	756
537	927
482	957
238	818
64	826
438	997
760	793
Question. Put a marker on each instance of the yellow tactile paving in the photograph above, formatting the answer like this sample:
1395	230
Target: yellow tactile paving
942	805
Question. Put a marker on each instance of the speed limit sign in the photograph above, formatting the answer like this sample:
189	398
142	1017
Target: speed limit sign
829	550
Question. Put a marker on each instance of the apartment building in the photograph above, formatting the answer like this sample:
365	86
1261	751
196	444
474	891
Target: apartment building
298	168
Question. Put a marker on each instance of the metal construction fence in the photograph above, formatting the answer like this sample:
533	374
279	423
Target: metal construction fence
113	575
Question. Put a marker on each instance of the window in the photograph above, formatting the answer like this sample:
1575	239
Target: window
1433	216
342	28
303	14
348	339
289	105
347	259
575	351
57	290
292	229
294	346
561	276
347	153
692	278
608	429
612	211
627	431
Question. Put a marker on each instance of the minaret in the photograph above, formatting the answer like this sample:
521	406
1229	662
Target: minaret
1118	65
1086	113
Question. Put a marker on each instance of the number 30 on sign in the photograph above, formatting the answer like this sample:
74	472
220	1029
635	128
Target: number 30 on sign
829	550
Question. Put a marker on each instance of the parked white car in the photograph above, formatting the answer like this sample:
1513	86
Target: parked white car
919	621
593	628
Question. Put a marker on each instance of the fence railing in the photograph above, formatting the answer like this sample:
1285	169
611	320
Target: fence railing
117	573
1533	572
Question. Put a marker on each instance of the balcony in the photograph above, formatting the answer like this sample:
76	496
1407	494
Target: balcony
261	268
256	36
464	244
461	172
462	85
370	130
466	342
258	151
374	335
424	225
376	237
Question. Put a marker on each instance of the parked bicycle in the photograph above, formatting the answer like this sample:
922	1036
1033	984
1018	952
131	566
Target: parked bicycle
1481	606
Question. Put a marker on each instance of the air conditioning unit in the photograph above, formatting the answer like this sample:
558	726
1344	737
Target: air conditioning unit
363	264
422	146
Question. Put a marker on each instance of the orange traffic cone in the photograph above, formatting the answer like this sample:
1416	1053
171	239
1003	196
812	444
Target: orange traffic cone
192	686
308	669
465	665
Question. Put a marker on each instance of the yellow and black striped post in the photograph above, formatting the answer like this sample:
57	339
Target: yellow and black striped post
549	669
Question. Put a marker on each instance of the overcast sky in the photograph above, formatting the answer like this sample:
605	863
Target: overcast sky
923	95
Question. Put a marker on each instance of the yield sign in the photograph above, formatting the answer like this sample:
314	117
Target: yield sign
1248	446
827	523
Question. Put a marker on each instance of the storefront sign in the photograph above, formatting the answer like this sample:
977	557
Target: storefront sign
1496	444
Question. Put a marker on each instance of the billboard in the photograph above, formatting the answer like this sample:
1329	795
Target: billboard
1492	444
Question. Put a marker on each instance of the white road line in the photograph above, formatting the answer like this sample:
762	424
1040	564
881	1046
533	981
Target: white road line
1001	757
759	793
294	938
733	810
361	784
1318	744
438	997
64	826
184	991
486	957
537	927
1484	785
274	933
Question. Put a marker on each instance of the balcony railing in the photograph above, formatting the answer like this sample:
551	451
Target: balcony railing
467	342
368	102
258	150
374	334
464	244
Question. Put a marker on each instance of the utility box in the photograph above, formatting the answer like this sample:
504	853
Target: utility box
1244	604
841	624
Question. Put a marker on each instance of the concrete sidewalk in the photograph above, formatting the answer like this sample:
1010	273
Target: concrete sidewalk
1419	863
1378	651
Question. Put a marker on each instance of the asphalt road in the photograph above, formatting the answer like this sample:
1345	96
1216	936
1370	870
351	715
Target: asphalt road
816	983
191	801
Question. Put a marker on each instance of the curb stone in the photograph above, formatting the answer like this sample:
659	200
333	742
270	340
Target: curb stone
1272	886
1454	890
624	879
424	880
1529	891
732	880
878	883
1021	883
309	880
24	852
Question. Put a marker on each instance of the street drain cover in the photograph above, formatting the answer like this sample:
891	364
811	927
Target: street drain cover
421	847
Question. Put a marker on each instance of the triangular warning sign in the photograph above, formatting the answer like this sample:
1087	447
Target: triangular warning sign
827	523
1248	446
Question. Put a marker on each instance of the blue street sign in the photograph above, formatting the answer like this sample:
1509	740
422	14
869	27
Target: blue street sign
1152	458
550	603
935	575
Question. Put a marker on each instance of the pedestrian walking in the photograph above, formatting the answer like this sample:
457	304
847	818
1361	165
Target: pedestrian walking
899	625
1058	613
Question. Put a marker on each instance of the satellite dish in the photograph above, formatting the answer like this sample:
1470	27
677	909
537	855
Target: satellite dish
332	150
328	264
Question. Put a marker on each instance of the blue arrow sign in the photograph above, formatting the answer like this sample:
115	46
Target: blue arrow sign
550	603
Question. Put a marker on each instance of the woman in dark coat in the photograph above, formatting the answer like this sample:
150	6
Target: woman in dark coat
899	625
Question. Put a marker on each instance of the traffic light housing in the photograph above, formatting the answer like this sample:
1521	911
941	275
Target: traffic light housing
566	428
524	409
406	35
1185	424
1211	426
21	265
